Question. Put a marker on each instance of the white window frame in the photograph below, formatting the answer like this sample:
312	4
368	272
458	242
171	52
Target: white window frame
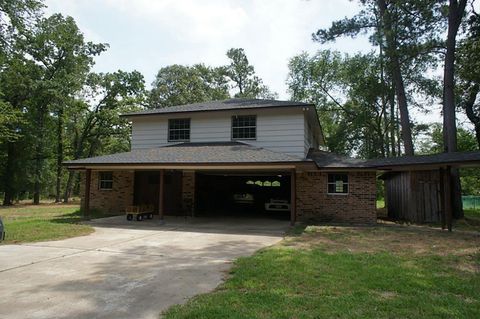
334	183
234	127
179	129
100	181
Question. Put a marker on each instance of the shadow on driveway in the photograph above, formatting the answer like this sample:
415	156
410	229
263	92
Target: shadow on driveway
126	269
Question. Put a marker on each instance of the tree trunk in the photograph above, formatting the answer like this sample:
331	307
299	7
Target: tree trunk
468	105
59	155
68	187
39	155
9	175
396	74
393	122
455	14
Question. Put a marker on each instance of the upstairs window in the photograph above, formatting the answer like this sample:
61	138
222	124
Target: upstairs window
337	183
179	130
244	127
105	180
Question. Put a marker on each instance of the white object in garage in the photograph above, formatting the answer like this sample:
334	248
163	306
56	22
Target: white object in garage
277	205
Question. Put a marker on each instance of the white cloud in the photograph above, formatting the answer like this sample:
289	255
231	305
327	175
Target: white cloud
149	34
194	21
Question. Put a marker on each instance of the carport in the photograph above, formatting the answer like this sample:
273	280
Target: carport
237	193
191	179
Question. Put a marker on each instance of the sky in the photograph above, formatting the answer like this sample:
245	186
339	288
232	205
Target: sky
146	35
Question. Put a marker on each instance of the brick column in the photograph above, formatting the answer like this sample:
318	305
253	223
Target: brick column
188	192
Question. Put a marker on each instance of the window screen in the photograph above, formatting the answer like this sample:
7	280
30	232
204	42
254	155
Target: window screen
244	127
338	183
178	130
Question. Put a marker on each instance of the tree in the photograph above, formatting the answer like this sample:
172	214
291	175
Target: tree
456	11
351	97
408	34
468	80
242	74
63	59
16	17
466	141
96	127
178	84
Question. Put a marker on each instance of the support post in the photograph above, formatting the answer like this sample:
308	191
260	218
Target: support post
448	197
442	197
161	198
86	208
293	197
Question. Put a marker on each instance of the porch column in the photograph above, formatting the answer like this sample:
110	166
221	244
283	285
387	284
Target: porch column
161	198
293	197
88	178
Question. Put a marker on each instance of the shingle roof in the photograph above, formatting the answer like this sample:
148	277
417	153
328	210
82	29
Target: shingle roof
325	159
191	153
434	159
230	104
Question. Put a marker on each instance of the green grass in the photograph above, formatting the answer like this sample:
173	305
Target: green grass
29	223
380	203
381	272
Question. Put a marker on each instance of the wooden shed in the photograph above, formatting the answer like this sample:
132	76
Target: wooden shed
420	188
413	195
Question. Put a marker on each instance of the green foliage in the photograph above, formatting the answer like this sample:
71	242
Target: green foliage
242	74
52	106
468	64
433	144
351	97
178	84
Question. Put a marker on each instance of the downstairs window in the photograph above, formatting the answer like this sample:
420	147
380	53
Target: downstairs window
105	180
337	184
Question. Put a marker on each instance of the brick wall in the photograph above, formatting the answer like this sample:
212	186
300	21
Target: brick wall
188	191
111	201
358	206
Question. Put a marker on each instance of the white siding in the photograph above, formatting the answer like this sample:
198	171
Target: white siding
278	130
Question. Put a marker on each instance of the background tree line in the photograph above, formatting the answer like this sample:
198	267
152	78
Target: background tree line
53	107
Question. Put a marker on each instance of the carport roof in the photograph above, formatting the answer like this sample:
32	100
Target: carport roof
330	160
191	153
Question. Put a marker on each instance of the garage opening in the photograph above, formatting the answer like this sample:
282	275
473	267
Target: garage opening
245	195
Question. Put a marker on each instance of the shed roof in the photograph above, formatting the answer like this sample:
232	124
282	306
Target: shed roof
441	159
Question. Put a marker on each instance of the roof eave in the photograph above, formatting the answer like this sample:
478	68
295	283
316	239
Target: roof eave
130	115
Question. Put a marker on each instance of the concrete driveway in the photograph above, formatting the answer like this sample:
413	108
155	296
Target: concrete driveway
126	269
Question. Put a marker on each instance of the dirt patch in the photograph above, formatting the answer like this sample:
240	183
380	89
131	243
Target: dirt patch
396	239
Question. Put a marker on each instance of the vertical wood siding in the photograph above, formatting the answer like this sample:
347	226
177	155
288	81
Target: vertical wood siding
414	196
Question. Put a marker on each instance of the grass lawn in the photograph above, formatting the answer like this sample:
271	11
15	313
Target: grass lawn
351	272
29	223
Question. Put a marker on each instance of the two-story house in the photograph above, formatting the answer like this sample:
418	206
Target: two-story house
238	156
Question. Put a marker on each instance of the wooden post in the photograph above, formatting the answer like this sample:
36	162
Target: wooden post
161	198
442	197
86	208
293	197
448	197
